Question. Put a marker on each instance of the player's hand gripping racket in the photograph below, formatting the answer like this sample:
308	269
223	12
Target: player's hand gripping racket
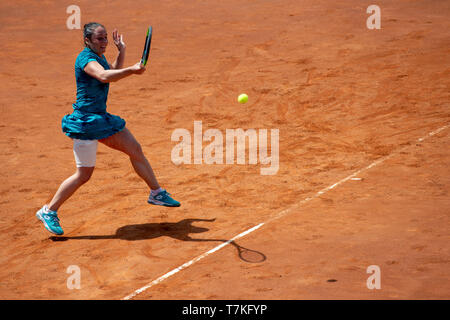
148	41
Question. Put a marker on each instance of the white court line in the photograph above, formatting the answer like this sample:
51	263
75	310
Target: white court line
187	264
277	216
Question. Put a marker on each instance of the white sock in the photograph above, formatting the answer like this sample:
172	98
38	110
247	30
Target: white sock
46	210
155	192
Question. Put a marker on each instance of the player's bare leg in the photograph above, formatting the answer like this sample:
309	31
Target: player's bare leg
124	141
69	186
48	213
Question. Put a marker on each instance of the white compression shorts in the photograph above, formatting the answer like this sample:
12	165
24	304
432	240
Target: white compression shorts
85	152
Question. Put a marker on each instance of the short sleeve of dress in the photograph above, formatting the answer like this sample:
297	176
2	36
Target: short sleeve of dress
84	59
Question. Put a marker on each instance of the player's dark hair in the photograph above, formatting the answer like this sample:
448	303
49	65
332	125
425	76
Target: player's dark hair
88	30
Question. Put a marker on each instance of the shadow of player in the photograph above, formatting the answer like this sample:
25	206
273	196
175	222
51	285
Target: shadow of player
180	230
133	232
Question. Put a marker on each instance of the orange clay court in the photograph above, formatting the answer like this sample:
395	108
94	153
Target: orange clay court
344	98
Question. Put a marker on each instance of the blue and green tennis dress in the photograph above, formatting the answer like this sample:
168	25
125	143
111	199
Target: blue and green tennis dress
89	119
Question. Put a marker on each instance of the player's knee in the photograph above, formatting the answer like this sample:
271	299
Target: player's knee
136	151
84	174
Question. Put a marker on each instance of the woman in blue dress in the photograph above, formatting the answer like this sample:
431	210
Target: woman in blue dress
90	123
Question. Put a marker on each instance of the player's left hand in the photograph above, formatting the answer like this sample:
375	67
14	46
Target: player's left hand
118	40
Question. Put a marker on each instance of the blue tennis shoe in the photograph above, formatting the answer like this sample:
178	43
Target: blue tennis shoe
50	220
163	198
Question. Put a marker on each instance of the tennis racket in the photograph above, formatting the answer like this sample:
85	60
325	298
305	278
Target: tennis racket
148	42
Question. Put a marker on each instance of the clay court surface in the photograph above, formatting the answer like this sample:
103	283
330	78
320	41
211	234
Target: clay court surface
342	97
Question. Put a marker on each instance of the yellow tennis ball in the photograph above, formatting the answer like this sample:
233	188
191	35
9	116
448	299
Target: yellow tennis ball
243	98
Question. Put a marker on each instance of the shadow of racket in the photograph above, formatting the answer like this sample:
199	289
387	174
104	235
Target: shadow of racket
245	254
249	255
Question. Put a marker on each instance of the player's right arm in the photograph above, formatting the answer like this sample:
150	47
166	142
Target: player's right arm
96	70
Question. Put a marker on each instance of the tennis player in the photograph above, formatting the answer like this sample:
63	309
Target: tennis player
89	123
